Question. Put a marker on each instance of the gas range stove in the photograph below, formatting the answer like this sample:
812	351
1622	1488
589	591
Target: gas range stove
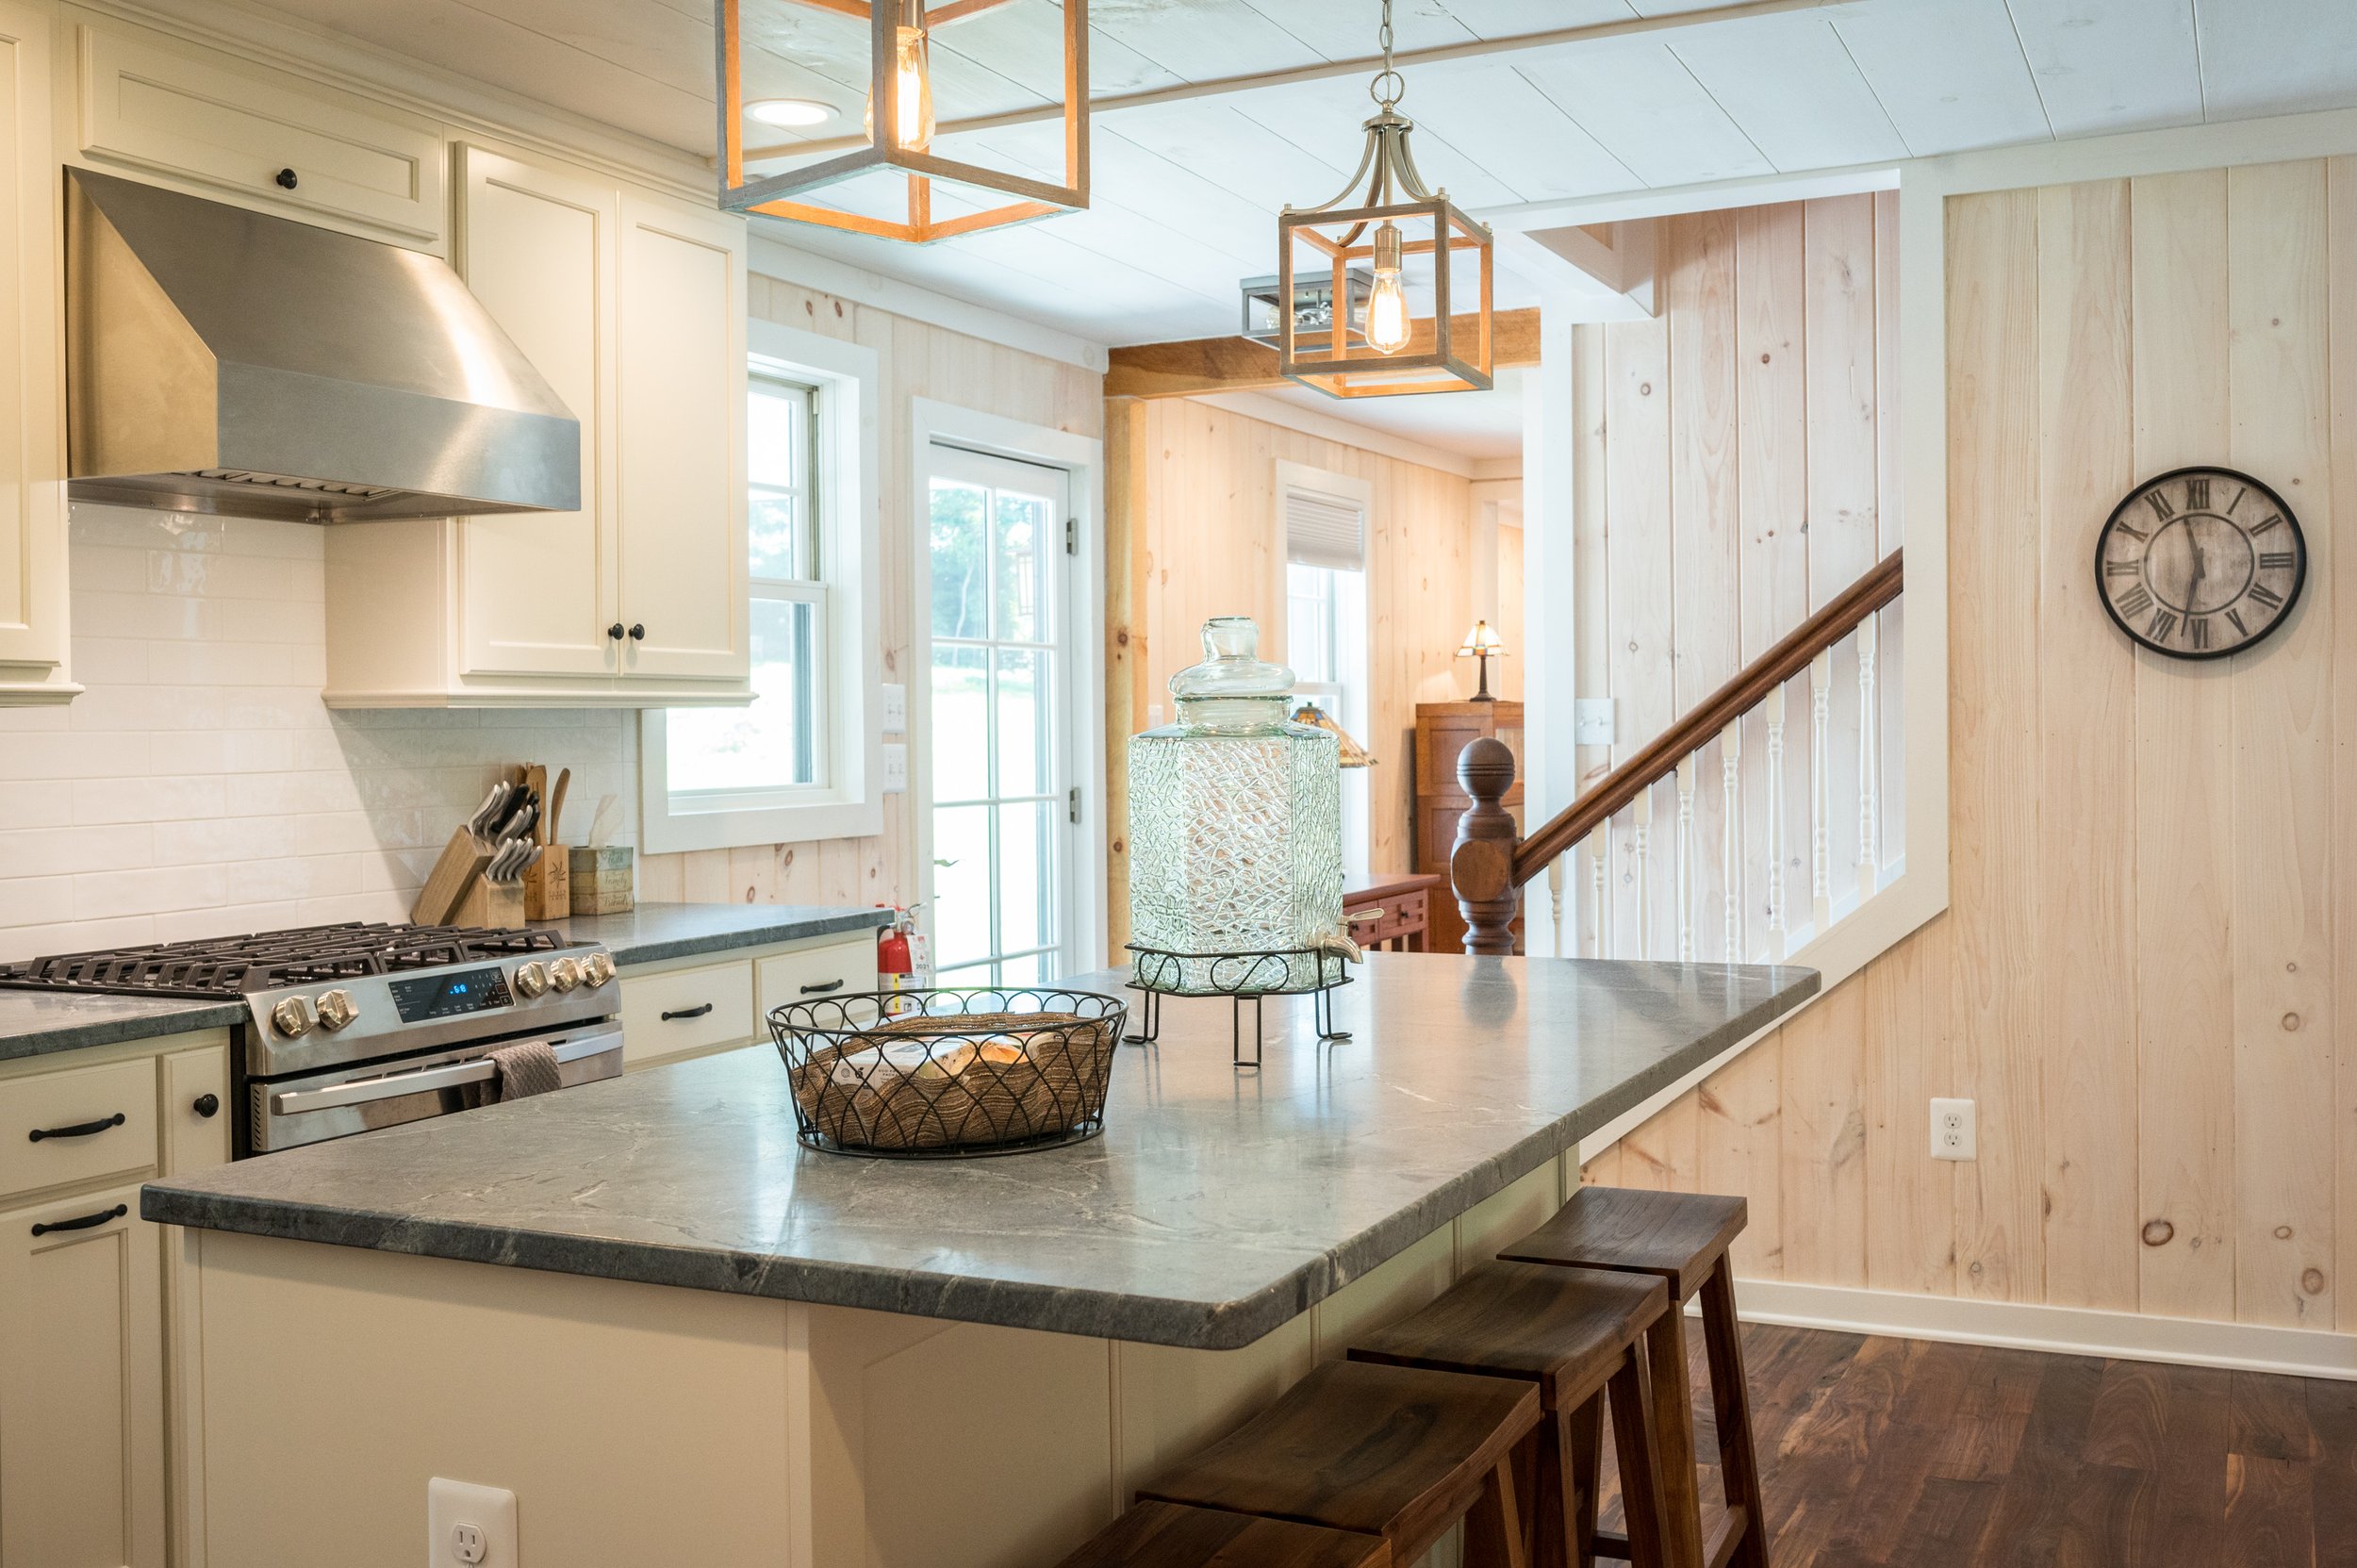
351	1027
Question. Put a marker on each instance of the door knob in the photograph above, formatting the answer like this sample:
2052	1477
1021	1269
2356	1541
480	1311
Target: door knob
615	631
286	179
637	633
206	1105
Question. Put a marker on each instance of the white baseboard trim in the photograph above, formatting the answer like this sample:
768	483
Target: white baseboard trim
2070	1330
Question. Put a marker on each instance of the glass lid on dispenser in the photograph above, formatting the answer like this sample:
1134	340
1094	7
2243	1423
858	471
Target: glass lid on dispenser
1232	665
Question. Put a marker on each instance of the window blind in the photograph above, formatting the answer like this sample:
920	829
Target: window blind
1325	531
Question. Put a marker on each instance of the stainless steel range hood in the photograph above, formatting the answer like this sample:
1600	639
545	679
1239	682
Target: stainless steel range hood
220	360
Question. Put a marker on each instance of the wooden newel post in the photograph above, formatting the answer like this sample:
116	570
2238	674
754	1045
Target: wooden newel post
1481	865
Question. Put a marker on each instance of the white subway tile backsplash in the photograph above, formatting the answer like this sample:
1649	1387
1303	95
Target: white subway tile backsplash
199	787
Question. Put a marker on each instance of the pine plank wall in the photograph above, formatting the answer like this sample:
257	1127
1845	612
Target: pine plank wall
1191	510
916	360
2141	978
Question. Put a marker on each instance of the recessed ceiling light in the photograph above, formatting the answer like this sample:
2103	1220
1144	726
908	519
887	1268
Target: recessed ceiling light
789	113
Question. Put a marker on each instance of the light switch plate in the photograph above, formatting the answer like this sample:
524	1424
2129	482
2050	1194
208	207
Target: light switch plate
896	709
1591	721
468	1526
896	764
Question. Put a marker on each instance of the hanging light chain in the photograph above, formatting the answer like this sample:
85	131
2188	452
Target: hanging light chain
1389	86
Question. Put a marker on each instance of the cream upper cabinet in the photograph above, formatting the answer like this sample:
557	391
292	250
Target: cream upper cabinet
33	643
537	246
682	441
243	133
633	306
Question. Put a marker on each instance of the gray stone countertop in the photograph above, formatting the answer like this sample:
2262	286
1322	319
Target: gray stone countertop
36	1023
1217	1206
653	932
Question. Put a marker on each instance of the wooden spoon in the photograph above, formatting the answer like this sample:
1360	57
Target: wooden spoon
556	807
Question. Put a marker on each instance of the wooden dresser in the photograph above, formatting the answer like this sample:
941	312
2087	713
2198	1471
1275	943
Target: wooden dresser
1443	730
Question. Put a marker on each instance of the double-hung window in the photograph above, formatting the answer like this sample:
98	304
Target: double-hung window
1323	522
799	762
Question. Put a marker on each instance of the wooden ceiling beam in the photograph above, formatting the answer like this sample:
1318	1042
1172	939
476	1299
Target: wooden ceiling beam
1198	364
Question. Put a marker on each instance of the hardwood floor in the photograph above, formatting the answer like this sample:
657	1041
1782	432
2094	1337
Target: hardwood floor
1884	1453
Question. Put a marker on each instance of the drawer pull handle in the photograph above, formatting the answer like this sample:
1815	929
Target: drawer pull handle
82	1131
88	1222
822	988
687	1012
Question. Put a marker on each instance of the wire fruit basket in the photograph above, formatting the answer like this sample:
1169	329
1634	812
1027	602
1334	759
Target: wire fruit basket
950	1072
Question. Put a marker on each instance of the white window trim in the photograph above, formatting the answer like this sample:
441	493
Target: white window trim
1086	941
848	525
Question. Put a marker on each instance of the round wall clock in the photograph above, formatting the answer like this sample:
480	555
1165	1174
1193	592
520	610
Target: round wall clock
2200	563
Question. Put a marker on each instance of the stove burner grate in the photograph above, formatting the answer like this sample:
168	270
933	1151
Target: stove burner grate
231	966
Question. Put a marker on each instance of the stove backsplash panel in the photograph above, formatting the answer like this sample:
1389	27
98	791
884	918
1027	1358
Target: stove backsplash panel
199	787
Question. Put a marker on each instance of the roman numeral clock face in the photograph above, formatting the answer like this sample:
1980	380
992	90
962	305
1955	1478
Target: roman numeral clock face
2201	563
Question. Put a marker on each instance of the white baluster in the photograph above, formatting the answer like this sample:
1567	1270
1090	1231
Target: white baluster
1821	792
1641	815
1731	834
1869	759
1777	925
1555	902
1686	859
1599	850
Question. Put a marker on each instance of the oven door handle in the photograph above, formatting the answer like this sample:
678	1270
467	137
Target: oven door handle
447	1074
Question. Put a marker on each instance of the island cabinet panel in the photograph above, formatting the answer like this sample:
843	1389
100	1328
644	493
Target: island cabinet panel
232	130
668	1014
636	1425
81	1386
33	607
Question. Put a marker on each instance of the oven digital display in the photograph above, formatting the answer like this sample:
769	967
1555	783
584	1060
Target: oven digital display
448	995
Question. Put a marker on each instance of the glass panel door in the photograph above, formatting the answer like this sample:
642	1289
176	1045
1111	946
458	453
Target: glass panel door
1000	764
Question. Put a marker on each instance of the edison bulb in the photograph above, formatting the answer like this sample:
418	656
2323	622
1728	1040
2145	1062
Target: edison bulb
1387	303
914	91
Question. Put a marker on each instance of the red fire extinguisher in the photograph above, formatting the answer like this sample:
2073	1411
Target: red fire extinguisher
894	969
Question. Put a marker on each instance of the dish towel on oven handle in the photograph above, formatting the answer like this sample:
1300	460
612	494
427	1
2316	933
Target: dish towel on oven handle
522	1070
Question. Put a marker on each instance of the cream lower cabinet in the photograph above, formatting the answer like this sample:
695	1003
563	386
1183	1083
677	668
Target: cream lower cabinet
633	306
84	1286
33	639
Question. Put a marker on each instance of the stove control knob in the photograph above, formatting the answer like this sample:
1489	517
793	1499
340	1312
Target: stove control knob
292	1017
597	969
336	1010
564	974
531	979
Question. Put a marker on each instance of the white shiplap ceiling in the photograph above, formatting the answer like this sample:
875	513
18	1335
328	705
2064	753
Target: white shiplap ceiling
1186	193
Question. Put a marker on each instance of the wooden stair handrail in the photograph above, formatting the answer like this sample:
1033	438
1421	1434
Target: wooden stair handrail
1658	761
1488	867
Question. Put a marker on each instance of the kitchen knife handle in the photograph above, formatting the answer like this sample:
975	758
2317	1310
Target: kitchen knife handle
687	1012
88	1222
82	1130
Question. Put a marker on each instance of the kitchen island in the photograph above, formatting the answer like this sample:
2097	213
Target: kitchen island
712	1345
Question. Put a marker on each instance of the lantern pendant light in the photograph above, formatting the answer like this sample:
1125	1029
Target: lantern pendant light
1408	337
898	128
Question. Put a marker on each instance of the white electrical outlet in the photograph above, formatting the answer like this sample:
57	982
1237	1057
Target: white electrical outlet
896	709
468	1526
896	758
1956	1135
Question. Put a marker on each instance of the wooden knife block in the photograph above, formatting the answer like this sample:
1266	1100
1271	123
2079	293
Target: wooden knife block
493	905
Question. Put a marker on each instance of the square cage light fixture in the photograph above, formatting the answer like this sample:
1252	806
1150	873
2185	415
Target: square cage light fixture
1313	305
900	127
1417	334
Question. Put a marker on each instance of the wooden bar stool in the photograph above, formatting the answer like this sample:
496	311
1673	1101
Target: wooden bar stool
1681	1239
1165	1535
1388	1451
1574	1333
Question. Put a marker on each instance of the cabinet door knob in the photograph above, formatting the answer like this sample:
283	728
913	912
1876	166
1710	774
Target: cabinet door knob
286	179
206	1105
615	631
637	633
